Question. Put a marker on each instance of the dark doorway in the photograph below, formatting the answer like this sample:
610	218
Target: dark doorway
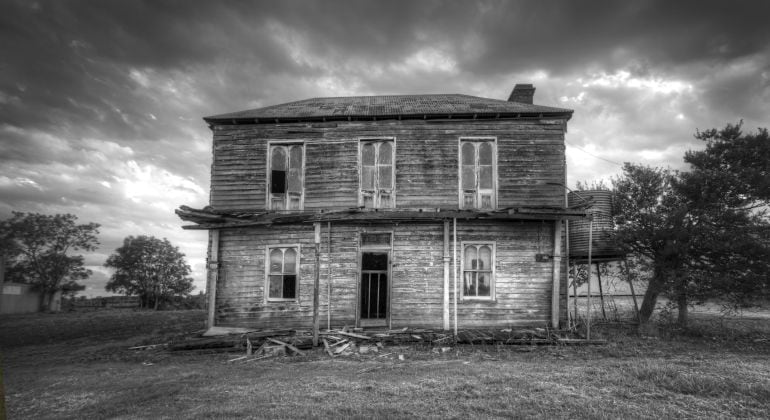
374	285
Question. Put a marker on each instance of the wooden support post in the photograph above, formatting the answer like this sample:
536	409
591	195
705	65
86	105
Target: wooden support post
601	290
566	251
556	274
588	301
316	281
446	275
2	279
329	276
631	285
213	273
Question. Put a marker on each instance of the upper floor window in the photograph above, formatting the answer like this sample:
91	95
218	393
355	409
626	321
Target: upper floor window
286	173
477	174
377	174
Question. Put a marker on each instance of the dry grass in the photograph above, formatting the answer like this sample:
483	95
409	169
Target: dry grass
704	373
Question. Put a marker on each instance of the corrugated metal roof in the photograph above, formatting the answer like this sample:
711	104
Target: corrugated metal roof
389	106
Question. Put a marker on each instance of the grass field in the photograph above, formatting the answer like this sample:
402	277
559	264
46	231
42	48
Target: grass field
79	366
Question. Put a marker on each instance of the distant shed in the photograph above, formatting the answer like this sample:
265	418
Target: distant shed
19	298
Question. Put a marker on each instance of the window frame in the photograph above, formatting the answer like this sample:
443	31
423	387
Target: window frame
268	250
493	280
361	142
460	191
269	173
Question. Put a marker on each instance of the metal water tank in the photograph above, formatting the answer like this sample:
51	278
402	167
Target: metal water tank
603	246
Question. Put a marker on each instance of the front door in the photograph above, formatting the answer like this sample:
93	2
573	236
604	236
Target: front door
374	288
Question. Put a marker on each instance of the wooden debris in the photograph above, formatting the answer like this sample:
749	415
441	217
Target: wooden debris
148	347
289	346
341	349
328	349
345	333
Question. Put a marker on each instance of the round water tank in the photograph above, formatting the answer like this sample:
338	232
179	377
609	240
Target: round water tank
602	246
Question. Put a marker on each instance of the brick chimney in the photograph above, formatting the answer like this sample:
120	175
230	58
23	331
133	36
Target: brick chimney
522	93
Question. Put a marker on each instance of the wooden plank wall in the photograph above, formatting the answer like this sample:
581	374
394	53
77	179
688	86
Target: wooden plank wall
530	153
523	286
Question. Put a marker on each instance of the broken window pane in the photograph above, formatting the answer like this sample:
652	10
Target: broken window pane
289	287
286	176
277	182
278	159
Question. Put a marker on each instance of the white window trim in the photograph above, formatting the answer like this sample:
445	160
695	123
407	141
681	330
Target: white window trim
362	140
268	299
493	282
460	198
268	170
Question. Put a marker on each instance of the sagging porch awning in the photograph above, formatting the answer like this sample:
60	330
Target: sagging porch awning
209	218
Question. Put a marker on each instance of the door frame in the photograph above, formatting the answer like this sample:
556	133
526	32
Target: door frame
387	249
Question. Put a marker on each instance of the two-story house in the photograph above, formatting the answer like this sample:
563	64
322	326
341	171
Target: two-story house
411	210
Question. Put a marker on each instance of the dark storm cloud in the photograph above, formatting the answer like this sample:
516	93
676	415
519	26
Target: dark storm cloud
101	102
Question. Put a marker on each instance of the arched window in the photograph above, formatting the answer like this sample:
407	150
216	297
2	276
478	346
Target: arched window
478	270
282	278
377	174
286	177
477	174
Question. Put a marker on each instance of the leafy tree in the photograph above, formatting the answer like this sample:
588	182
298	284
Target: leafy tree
36	247
702	230
150	268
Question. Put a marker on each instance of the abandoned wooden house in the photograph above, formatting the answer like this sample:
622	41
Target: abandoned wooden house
438	211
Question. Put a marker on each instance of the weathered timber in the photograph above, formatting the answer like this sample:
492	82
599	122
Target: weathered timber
426	162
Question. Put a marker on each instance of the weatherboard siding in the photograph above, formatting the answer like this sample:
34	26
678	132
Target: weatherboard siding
523	286
530	154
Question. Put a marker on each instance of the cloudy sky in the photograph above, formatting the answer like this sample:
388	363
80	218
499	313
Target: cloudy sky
101	101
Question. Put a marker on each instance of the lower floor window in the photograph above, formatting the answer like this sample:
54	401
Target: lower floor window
282	274
478	272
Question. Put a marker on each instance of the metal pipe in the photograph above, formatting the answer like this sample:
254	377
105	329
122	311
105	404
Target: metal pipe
446	275
329	277
454	258
316	282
